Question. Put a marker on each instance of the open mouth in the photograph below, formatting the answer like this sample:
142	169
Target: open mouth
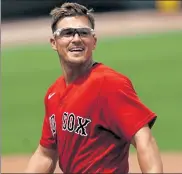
77	49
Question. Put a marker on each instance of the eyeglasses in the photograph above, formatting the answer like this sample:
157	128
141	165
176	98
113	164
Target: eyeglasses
70	32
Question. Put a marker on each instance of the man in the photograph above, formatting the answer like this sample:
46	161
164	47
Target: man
92	113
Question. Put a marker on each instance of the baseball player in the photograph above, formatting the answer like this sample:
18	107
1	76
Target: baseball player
92	112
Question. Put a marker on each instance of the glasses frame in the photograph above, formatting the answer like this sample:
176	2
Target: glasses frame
59	30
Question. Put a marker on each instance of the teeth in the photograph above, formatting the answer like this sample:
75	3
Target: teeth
77	49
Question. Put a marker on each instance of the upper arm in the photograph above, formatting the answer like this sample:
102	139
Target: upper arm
42	161
48	137
142	138
50	153
147	151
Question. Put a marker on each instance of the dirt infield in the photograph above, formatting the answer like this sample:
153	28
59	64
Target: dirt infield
38	30
171	162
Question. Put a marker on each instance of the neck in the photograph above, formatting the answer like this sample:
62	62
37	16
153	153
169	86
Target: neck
72	72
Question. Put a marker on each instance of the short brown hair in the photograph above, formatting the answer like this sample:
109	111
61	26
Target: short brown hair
71	9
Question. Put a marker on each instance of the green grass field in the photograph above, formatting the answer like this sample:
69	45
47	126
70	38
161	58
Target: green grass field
153	63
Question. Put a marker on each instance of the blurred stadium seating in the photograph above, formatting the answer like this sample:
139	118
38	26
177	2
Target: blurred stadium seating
13	9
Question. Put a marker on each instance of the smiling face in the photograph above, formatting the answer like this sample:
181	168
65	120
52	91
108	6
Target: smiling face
72	47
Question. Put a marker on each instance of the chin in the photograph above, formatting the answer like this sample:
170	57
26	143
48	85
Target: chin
77	60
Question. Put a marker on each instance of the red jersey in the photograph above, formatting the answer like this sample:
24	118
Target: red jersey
91	121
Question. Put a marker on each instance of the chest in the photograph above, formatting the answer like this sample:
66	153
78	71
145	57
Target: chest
75	110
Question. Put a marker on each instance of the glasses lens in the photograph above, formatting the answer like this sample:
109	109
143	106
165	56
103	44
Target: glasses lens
67	32
84	32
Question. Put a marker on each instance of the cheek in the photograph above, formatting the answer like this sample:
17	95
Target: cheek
62	46
90	45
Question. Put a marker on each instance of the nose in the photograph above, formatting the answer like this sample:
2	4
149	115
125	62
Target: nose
76	37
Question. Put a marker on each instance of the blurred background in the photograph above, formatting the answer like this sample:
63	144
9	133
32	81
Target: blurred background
141	39
27	8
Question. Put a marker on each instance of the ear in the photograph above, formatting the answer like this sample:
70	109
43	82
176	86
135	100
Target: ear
95	42
53	44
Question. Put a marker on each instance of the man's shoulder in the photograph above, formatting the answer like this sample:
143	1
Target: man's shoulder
112	75
113	79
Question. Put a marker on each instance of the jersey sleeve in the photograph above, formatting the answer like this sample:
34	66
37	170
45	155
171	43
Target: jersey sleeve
123	111
48	139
